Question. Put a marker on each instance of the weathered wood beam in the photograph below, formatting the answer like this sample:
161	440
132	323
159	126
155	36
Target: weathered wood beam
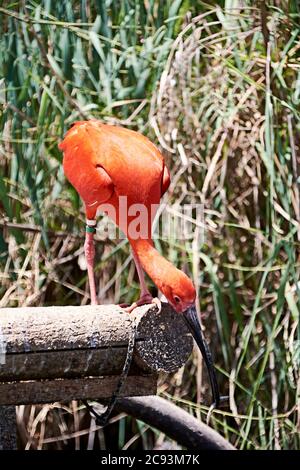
49	391
64	353
8	428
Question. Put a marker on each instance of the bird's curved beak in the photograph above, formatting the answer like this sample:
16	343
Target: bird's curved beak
191	318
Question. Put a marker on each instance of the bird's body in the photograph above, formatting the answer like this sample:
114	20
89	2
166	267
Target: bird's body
109	166
106	162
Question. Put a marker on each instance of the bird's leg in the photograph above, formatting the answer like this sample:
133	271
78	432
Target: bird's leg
145	296
89	250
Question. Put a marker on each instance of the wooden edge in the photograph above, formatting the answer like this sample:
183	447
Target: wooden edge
49	391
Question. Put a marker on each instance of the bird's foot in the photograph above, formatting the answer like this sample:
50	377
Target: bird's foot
145	299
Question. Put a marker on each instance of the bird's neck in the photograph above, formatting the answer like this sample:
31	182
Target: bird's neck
156	266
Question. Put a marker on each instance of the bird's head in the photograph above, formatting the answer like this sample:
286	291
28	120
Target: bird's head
179	291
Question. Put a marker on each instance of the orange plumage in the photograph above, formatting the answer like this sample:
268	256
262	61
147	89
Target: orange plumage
105	163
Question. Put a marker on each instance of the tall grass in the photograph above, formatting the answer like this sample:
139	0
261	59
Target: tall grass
217	86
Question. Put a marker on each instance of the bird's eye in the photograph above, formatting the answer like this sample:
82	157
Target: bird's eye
177	299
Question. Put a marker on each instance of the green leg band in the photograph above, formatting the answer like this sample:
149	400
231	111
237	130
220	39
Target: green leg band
89	229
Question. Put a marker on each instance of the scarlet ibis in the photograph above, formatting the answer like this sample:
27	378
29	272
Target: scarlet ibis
106	163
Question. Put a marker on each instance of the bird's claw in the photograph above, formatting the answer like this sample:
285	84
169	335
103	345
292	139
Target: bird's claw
156	301
143	300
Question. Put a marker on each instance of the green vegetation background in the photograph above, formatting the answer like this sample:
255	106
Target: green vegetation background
216	85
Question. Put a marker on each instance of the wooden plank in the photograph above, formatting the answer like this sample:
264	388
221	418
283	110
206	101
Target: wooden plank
37	329
64	390
67	364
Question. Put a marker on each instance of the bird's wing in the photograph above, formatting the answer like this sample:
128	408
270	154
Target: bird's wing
134	164
82	169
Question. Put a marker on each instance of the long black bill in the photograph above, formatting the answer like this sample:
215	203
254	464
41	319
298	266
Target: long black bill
191	318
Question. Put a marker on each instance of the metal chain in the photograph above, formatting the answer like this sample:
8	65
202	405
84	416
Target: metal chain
101	419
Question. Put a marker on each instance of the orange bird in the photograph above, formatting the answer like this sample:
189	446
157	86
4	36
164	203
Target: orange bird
108	165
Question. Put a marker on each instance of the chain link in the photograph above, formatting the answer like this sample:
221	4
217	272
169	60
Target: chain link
101	419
